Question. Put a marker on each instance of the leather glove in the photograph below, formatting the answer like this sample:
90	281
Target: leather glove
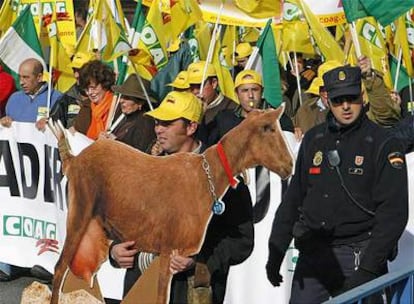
273	274
273	266
359	277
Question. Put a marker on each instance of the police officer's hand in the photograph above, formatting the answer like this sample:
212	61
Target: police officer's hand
273	265
273	274
359	277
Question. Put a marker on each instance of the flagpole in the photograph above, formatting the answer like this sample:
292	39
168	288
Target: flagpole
355	40
410	88
397	72
297	78
49	85
211	46
142	85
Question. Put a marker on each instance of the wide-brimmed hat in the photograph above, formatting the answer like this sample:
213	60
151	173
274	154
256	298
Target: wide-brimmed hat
132	87
178	105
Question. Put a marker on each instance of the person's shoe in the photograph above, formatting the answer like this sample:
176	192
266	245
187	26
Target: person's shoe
4	277
42	274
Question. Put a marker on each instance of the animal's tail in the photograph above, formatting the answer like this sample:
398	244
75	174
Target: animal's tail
63	144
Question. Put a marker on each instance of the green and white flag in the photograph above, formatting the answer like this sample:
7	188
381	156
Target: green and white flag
270	66
19	43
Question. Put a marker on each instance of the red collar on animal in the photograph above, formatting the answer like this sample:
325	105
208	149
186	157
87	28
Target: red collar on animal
226	165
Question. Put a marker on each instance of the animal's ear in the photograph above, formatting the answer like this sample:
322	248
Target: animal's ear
280	109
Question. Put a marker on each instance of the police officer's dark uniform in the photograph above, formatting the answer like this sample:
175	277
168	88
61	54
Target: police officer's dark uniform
347	204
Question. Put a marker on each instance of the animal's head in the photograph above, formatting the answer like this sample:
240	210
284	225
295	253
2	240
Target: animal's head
264	142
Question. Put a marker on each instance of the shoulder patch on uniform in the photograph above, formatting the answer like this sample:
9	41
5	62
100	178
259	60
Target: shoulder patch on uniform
396	159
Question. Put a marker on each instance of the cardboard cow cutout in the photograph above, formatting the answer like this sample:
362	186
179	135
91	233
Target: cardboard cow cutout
163	203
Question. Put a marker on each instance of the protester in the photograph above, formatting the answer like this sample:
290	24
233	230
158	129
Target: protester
133	128
249	90
242	54
347	204
306	69
68	106
96	79
383	109
229	237
30	104
7	86
315	104
213	100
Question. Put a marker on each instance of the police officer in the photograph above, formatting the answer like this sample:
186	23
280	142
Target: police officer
347	204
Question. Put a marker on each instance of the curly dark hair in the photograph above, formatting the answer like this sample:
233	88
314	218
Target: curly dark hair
98	72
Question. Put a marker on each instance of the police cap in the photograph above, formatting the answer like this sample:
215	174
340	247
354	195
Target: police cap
343	81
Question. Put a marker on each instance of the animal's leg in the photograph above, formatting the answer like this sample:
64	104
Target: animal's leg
164	280
81	202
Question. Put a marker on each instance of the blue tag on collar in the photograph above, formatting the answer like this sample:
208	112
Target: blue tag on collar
218	207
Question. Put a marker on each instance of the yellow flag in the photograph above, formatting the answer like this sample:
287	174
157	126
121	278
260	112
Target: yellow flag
154	35
111	35
228	43
401	42
373	46
225	80
59	60
260	8
295	32
7	16
325	42
184	13
203	35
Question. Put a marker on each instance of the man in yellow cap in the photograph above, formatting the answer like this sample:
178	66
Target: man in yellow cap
204	74
68	106
249	90
229	238
242	54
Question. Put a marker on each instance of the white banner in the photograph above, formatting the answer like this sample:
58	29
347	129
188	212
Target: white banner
33	206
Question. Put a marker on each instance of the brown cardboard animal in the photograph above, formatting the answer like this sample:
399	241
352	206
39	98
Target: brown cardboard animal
163	203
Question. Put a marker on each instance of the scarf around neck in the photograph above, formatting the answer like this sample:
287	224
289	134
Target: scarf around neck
99	116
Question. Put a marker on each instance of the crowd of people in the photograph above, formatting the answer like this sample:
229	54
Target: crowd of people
345	207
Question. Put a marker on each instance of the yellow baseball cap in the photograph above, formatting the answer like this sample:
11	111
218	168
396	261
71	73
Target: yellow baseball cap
180	81
80	58
174	45
196	70
248	77
317	82
178	105
243	50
